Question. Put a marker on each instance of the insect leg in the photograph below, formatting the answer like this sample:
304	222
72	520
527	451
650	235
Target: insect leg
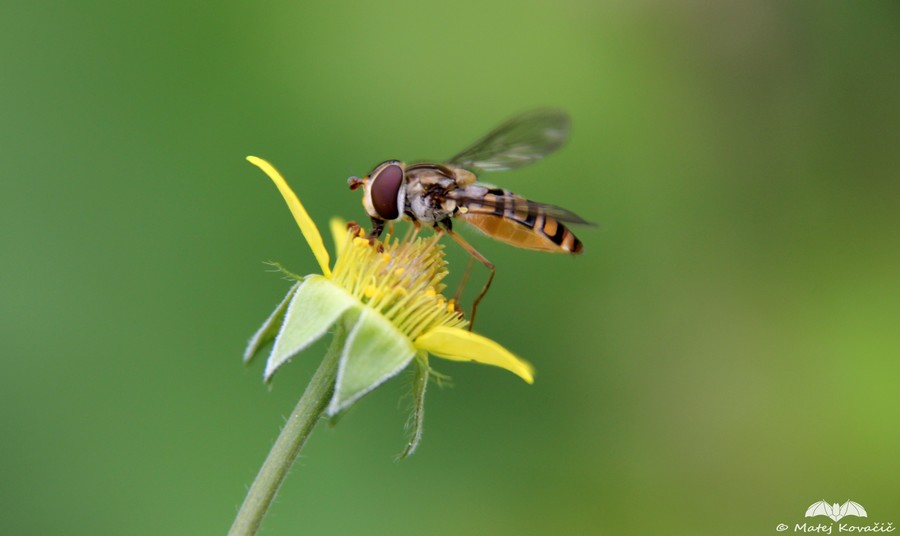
377	229
464	280
411	234
412	231
480	258
416	227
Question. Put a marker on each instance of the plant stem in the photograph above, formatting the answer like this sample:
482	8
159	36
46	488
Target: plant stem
290	441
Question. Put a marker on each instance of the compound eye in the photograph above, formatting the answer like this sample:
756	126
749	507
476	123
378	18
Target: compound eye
385	189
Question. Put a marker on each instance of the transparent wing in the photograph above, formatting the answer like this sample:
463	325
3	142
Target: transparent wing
563	215
503	198
520	141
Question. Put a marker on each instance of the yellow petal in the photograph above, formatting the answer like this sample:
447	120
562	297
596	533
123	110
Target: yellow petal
339	234
459	344
307	227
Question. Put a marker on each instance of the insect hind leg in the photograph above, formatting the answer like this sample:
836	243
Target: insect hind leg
464	281
477	256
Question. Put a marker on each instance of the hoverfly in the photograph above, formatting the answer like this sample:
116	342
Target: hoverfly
431	193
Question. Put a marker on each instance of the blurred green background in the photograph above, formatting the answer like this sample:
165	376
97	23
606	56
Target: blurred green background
724	354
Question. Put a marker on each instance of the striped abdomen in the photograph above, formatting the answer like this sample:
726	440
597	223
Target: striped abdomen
511	218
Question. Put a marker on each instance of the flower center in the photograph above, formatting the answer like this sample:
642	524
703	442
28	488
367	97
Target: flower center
401	280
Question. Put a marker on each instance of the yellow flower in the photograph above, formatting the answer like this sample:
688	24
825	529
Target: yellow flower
388	296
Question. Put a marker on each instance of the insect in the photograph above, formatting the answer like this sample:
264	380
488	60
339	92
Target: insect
435	194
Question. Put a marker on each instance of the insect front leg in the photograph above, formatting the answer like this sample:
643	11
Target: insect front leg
480	258
377	228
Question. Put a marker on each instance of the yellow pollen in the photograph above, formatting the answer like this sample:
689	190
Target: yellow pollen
360	233
399	279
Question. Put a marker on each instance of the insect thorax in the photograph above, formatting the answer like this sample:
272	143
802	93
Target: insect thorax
426	195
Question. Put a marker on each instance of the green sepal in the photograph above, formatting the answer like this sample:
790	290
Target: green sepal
375	351
417	417
270	327
315	307
349	321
